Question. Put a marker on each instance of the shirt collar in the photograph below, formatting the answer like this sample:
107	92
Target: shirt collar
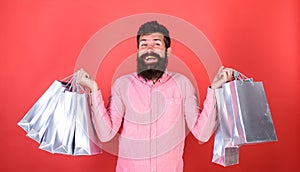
165	77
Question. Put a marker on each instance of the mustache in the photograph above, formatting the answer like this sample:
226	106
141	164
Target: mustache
143	56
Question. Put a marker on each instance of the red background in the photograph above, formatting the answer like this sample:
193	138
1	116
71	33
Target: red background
41	40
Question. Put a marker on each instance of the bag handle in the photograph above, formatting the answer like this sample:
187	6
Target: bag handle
78	87
68	78
241	77
71	81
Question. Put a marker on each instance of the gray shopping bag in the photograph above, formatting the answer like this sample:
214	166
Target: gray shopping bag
86	140
244	116
53	120
37	118
59	135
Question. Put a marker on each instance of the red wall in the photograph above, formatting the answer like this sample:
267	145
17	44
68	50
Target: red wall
41	40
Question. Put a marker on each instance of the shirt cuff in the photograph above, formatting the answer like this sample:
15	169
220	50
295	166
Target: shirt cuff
96	97
210	92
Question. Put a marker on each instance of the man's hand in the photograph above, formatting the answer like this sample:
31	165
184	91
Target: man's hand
83	78
223	75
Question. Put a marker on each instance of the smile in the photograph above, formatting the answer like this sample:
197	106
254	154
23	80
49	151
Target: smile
150	59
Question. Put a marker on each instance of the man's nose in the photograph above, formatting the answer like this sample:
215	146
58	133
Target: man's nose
149	50
150	47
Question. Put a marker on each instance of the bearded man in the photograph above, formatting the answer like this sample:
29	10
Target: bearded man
153	109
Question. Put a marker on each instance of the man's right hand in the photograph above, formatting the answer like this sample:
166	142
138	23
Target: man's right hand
84	79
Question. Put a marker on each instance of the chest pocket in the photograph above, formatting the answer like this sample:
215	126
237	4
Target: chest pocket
173	108
172	116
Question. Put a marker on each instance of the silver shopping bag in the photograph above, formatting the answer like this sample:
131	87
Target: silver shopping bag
54	118
59	135
244	117
86	140
37	118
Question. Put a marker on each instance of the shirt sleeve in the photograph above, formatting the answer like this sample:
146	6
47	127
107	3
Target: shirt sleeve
107	120
202	123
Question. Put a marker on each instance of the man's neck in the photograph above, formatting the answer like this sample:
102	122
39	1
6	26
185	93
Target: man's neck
153	75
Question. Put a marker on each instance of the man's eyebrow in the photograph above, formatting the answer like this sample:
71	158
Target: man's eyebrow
155	39
143	40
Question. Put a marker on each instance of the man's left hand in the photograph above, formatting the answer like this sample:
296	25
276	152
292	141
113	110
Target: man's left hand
223	75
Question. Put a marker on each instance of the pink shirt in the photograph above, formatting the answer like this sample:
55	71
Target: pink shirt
150	120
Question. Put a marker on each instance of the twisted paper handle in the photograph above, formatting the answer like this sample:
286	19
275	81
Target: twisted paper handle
72	85
239	76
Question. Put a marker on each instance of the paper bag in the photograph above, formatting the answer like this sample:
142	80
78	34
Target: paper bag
245	118
61	120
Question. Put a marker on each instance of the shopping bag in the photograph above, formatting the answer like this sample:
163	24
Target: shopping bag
244	117
59	135
225	147
37	118
86	140
53	118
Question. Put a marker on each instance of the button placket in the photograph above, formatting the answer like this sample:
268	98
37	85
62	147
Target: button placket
153	128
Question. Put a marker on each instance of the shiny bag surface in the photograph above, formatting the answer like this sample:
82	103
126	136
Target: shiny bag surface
244	116
60	120
58	138
37	118
86	140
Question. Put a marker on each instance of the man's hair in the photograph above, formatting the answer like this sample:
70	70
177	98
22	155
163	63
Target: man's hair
153	27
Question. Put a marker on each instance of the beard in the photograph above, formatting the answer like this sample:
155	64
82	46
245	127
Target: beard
153	70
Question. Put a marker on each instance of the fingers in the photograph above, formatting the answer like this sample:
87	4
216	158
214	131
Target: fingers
81	73
226	73
83	78
223	75
220	70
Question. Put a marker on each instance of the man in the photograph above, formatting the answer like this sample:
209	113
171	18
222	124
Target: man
152	108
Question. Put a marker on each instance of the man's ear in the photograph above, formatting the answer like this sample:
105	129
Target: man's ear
169	51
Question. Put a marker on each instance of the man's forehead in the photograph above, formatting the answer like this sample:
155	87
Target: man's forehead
152	36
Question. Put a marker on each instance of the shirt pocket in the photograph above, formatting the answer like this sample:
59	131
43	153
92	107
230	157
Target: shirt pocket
173	108
172	119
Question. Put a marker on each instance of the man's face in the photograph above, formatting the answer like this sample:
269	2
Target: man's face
152	53
152	43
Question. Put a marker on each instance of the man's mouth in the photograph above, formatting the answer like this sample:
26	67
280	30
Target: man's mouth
150	59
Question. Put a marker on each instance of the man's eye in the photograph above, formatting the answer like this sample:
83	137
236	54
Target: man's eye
157	43
143	45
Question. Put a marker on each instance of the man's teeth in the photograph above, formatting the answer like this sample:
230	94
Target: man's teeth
150	58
